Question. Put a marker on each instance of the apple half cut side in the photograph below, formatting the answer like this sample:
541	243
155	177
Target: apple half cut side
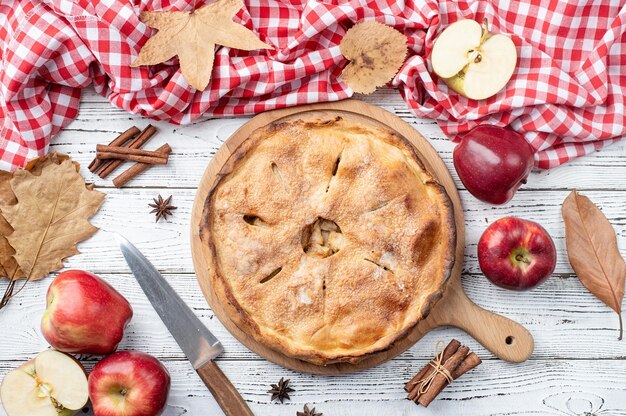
52	384
472	61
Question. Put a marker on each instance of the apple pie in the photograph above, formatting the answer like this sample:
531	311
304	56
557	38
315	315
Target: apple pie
327	239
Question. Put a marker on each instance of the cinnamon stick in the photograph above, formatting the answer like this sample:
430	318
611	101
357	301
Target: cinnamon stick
103	148
137	168
141	139
450	349
440	381
153	160
471	361
118	141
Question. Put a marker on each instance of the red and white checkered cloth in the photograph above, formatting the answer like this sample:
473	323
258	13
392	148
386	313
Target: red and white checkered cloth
567	94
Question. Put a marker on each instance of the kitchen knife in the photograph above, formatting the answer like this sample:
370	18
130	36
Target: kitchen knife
197	342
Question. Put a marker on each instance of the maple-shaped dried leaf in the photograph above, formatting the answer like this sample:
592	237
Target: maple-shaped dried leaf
50	217
376	53
193	36
592	251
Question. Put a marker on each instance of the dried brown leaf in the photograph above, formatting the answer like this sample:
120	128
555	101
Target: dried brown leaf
593	252
193	36
50	217
8	266
376	53
35	166
6	194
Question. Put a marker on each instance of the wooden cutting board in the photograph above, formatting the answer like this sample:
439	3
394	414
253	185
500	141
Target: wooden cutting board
505	338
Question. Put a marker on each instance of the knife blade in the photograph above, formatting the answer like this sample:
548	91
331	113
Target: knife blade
199	345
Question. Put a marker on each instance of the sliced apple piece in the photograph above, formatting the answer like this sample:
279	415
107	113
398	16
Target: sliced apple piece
472	61
20	393
53	384
450	52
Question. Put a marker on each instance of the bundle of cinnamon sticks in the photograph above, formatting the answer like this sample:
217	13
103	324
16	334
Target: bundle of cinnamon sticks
127	146
454	361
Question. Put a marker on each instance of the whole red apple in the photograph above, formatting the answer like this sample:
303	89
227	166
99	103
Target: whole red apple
493	162
129	383
516	254
84	314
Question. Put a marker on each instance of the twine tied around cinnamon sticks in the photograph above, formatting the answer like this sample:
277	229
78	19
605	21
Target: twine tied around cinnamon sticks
449	364
438	368
127	146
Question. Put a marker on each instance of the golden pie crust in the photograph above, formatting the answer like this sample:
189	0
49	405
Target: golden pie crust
327	240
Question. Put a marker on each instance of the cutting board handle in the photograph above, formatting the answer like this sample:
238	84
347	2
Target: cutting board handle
504	337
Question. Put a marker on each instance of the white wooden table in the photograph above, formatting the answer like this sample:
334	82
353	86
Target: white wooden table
578	367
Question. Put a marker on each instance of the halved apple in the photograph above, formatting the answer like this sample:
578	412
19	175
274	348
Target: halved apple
52	384
472	61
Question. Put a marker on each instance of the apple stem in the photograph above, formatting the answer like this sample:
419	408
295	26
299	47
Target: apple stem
485	25
521	258
620	327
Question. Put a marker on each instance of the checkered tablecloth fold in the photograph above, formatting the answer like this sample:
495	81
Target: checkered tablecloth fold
566	95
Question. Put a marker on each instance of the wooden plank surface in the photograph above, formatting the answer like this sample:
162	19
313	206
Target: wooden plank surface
168	242
578	365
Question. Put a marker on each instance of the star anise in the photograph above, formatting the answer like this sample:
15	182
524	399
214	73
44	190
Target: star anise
281	390
308	412
162	207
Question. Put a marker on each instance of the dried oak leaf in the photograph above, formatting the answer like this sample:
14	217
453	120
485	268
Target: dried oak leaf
193	36
8	266
50	216
36	165
376	53
592	251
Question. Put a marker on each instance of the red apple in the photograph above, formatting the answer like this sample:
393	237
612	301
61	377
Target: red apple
493	162
84	314
129	383
516	254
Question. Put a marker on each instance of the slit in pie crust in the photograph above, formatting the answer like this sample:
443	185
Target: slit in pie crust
328	240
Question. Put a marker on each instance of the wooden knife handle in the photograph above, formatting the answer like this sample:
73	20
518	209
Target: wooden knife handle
223	390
